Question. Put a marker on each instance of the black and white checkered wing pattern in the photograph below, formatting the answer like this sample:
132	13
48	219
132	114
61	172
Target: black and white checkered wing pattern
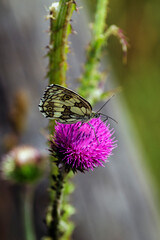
64	105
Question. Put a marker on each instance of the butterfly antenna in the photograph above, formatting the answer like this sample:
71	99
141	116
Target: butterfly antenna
105	103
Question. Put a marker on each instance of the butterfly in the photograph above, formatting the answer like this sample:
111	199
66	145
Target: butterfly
65	105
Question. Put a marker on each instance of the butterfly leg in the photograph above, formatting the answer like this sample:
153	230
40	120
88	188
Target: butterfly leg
110	118
105	119
94	131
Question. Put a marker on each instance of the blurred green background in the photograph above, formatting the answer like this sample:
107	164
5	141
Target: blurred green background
140	77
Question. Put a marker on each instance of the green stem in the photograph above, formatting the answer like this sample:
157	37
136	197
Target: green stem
91	76
57	186
100	17
60	28
28	217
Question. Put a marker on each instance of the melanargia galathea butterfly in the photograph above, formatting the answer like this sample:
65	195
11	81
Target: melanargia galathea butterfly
65	106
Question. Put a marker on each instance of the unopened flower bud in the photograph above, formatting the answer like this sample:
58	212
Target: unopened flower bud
22	164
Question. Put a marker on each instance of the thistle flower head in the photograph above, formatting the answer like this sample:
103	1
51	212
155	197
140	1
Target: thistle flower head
82	146
23	164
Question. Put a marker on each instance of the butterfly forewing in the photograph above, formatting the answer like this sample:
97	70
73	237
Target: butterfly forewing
64	105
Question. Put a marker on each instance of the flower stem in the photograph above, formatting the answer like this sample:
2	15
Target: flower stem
60	28
100	17
59	211
28	217
91	75
53	229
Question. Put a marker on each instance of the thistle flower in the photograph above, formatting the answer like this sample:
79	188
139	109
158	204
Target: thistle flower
82	146
23	164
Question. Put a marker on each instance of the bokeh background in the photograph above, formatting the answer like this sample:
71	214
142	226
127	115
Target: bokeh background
120	201
140	79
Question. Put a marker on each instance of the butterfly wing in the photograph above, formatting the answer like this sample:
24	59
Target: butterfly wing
64	105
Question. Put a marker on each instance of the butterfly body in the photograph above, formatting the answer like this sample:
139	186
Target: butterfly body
65	105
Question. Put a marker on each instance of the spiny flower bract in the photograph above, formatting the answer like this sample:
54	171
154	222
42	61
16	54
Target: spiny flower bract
82	146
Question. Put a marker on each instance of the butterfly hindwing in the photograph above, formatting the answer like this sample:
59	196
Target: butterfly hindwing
64	105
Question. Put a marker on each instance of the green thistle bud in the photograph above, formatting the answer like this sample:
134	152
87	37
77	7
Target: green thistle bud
23	164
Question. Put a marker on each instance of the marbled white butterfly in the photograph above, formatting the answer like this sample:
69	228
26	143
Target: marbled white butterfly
66	106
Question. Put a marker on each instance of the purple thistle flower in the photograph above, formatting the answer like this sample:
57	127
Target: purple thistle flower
82	147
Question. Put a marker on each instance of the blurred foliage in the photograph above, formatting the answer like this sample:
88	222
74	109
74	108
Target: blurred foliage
140	78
